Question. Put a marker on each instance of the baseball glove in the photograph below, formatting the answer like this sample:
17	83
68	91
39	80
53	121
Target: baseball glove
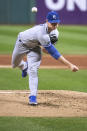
53	39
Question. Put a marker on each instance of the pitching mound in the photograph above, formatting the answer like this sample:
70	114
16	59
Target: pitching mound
52	103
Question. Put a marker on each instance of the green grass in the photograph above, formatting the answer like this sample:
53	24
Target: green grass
56	79
49	79
8	36
12	80
72	39
42	124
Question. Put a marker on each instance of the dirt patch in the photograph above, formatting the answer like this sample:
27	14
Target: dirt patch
48	61
51	103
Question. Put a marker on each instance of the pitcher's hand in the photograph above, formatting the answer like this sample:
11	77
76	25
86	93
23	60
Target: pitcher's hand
74	68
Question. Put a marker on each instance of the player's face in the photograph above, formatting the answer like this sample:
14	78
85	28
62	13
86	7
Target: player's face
52	26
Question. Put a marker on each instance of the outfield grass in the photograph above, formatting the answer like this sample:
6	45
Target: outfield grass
42	124
49	79
72	39
8	36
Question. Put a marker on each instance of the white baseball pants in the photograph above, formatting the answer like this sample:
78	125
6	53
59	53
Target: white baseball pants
33	59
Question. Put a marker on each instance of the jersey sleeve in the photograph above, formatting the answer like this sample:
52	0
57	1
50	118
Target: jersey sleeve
53	51
44	40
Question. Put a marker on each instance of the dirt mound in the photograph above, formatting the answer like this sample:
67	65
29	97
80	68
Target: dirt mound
53	103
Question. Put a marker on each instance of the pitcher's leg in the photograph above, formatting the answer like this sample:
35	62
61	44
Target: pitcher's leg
18	54
34	60
33	78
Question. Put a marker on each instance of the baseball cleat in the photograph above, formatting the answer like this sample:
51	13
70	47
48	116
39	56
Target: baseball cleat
24	72
32	100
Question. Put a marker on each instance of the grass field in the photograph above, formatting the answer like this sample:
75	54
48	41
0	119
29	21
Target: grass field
42	124
49	79
72	39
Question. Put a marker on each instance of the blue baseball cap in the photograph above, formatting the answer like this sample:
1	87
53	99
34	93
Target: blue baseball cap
53	17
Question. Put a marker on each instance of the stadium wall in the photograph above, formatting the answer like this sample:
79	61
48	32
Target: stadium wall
16	12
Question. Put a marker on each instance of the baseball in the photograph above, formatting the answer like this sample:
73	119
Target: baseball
34	9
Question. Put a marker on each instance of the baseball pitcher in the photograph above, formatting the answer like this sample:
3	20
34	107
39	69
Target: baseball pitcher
31	42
